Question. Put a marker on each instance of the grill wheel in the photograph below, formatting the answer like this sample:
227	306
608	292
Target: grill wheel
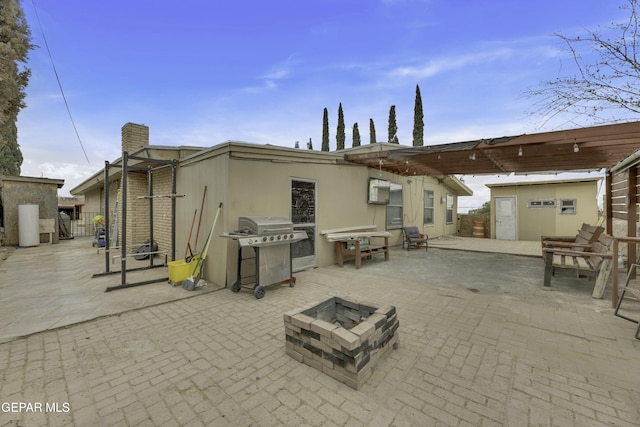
259	291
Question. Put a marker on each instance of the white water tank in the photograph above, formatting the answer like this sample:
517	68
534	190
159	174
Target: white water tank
28	225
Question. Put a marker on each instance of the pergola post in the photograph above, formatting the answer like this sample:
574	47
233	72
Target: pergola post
632	180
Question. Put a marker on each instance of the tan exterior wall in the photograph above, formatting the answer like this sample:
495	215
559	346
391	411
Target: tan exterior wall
92	206
93	202
192	178
532	223
413	194
262	187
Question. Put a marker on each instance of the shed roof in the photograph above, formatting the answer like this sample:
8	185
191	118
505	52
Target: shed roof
34	180
545	182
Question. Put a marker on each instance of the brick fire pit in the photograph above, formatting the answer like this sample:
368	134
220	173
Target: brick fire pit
342	338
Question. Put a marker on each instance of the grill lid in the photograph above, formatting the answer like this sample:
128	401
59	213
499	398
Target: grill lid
264	225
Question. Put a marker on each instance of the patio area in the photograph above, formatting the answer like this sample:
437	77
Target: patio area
481	343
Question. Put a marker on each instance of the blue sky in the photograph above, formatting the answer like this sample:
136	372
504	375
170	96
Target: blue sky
200	72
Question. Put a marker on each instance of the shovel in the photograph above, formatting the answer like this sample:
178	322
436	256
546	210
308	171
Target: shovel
191	283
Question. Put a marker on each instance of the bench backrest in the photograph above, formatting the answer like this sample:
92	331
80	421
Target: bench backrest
589	233
600	247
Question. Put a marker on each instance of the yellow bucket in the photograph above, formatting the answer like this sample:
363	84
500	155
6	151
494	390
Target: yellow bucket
181	270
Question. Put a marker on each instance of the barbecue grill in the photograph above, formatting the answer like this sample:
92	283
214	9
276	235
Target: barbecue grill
271	239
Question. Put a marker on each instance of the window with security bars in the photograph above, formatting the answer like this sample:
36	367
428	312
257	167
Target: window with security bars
394	207
450	203
541	203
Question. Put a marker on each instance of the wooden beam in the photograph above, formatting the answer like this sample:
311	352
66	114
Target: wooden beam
631	214
367	156
608	208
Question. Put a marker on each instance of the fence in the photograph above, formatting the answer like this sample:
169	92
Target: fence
78	225
467	225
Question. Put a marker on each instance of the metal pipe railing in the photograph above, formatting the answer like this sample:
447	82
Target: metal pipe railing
614	269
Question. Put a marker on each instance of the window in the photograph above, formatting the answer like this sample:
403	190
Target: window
379	191
449	208
428	207
394	207
542	203
568	207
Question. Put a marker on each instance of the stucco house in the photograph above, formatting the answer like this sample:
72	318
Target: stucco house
265	180
529	210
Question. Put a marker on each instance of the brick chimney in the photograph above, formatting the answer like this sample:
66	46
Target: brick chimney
134	137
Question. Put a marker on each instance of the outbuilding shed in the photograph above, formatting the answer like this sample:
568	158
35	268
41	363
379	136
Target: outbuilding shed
529	210
23	190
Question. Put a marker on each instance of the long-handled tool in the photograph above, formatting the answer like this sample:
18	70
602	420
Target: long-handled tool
191	283
188	258
204	195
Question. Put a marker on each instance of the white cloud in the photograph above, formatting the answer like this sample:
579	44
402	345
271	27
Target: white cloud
441	65
269	80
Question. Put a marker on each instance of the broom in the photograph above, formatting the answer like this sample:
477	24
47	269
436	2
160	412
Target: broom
191	283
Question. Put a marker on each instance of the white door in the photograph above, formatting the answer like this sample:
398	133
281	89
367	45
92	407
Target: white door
303	216
506	218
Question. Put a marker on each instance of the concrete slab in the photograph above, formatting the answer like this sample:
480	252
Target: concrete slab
50	286
513	247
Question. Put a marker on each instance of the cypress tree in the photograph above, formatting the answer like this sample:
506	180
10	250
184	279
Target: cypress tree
340	135
10	154
418	123
356	135
393	128
15	40
372	132
325	130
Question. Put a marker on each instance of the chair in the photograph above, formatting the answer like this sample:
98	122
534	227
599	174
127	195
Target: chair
413	237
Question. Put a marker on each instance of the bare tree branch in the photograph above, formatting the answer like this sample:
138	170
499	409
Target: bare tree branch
610	82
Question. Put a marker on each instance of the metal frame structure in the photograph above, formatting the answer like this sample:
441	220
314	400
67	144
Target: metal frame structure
123	230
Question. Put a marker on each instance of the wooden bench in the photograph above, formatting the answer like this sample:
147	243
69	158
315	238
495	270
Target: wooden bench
587	235
592	261
343	247
348	241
